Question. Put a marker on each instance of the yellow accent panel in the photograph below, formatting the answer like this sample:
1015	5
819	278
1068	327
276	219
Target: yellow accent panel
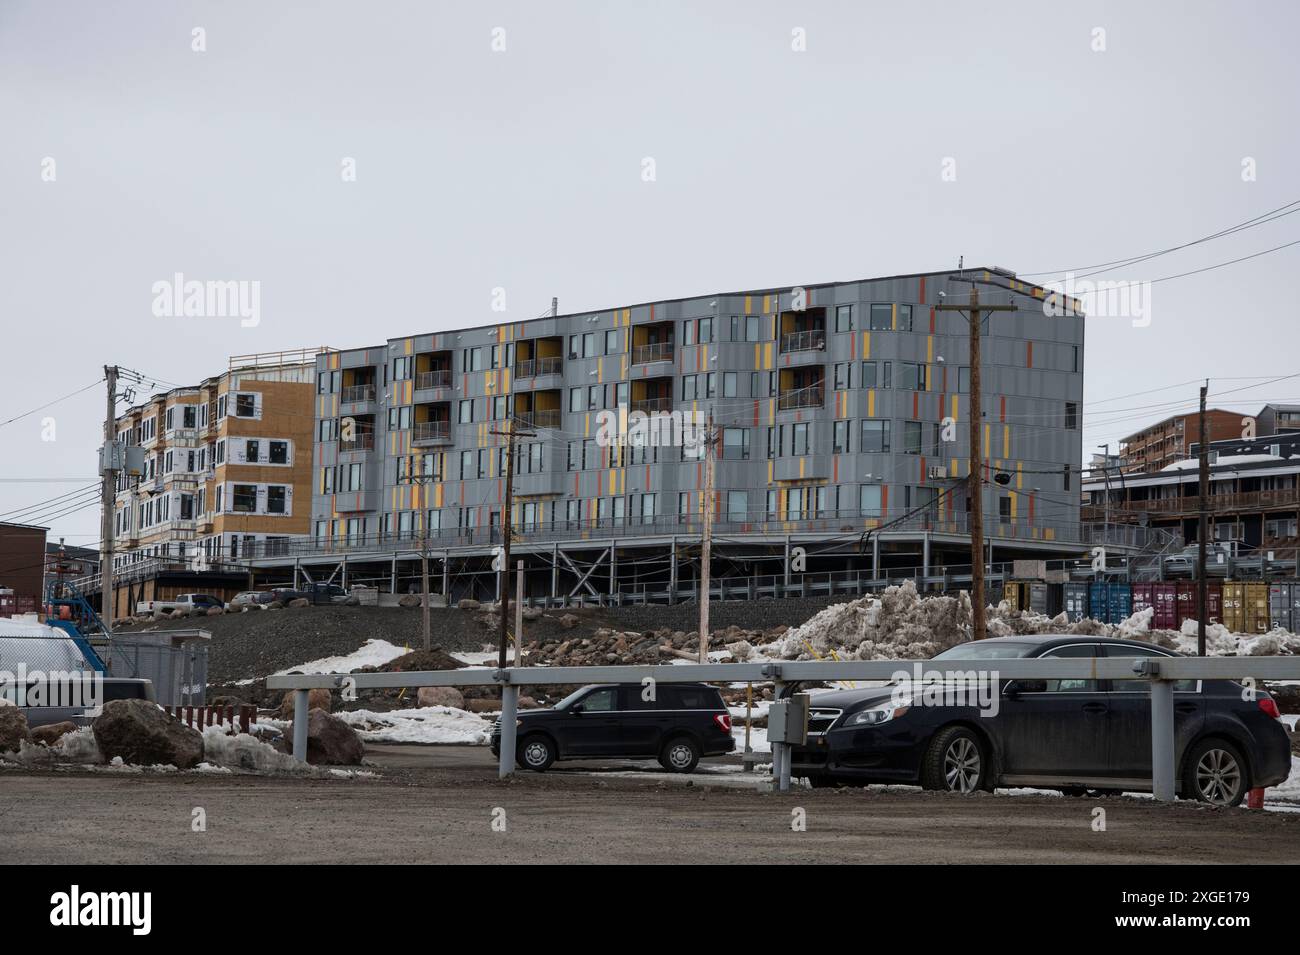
613	482
586	427
802	461
987	454
871	406
893	322
771	469
410	345
866	344
1014	497
505	375
1006	440
1020	477
749	304
767	306
437	494
600	371
622	482
758	355
929	349
955	416
771	411
767	357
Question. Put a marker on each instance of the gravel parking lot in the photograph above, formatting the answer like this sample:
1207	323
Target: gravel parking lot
439	804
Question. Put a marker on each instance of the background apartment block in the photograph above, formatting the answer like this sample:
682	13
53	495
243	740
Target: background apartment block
227	464
1165	442
831	418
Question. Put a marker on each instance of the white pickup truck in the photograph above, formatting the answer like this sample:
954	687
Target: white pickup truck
182	603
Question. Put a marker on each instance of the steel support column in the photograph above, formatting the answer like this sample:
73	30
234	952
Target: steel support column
1162	739
300	698
509	715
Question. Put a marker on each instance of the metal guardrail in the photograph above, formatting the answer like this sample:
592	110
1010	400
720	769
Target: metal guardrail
431	431
660	351
811	340
438	378
354	393
1161	672
536	367
810	397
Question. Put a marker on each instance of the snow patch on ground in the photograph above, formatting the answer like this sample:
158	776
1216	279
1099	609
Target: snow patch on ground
372	653
430	724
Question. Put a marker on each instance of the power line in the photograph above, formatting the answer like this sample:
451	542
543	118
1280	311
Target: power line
47	404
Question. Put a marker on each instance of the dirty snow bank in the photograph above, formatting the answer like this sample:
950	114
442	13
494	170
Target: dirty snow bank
372	653
430	724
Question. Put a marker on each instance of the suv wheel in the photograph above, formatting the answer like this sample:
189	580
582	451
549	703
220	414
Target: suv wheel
1216	773
954	762
536	753
680	755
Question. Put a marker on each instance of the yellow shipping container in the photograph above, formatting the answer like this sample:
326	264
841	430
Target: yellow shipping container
1245	606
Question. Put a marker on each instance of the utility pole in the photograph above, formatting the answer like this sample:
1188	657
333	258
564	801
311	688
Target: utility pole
519	613
1202	527
507	521
108	491
424	575
976	463
706	541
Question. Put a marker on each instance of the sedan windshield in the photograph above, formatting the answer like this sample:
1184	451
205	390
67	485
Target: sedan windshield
981	650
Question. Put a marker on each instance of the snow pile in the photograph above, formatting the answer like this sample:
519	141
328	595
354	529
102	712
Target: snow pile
372	653
242	751
898	625
430	724
1221	642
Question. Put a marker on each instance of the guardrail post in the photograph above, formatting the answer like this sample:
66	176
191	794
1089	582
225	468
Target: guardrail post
300	725
509	716
1162	736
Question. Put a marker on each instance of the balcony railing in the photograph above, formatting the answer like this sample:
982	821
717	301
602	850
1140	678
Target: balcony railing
1219	504
430	431
660	351
534	367
361	441
652	405
811	397
354	393
542	418
439	378
812	340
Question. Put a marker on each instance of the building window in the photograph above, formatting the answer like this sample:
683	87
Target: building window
1071	416
275	499
689	388
875	437
244	498
251	449
466	411
876	374
799	439
729	384
840	441
735	444
844	376
963	379
688	332
1004	508
911	376
882	318
279	452
737	506
402	368
869	500
611	342
245	406
844	318
912	437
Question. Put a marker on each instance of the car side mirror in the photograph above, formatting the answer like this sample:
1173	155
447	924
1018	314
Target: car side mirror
576	709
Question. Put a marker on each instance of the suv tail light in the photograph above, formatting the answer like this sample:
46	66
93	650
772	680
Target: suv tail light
723	720
1269	706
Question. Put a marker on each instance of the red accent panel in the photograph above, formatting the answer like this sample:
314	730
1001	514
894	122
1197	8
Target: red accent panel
1029	354
1002	413
921	298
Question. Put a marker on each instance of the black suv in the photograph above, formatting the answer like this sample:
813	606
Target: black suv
1078	736
678	724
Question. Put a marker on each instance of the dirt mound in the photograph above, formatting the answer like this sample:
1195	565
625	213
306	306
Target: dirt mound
434	659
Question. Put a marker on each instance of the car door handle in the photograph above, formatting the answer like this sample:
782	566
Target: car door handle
1094	707
1185	707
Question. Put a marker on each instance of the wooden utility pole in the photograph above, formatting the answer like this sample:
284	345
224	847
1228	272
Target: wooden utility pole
706	541
108	491
976	462
519	613
424	575
1202	527
507	521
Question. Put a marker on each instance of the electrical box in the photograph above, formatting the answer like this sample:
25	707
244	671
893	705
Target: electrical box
134	460
787	720
112	456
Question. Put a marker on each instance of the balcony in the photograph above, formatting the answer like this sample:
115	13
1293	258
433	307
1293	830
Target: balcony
1232	503
813	339
432	432
652	405
658	351
810	397
352	394
360	441
542	418
439	378
535	367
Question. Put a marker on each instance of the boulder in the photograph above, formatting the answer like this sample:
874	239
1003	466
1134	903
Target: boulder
330	741
52	733
299	602
440	696
141	733
483	706
216	611
468	603
275	605
409	600
352	601
13	729
318	698
568	621
532	613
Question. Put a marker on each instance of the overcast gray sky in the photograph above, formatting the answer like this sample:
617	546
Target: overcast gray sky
522	169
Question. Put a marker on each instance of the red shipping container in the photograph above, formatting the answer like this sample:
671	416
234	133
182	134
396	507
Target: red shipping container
1165	599
1143	597
1185	601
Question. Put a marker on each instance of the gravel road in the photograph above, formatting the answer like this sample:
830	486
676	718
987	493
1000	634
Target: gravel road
437	805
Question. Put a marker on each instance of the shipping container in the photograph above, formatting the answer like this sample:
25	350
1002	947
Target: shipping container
1074	598
1143	597
1165	600
1110	601
1185	600
1245	606
1016	594
1281	604
1045	598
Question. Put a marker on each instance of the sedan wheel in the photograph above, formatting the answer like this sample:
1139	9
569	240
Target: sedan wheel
536	753
961	765
1217	775
954	762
